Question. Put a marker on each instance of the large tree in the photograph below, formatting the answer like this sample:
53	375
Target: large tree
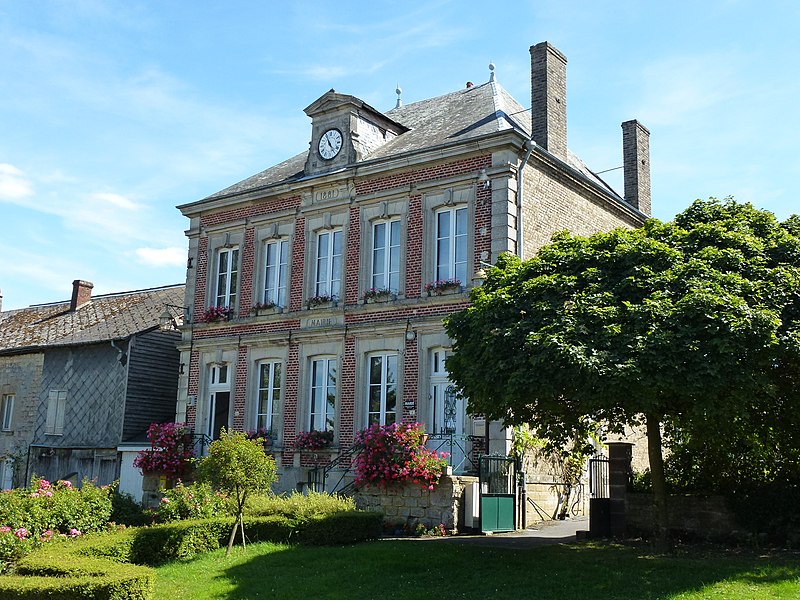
691	323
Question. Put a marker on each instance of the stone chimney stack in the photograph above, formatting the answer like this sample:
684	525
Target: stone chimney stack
636	165
549	99
81	293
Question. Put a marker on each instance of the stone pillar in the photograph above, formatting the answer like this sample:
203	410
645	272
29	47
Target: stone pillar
619	469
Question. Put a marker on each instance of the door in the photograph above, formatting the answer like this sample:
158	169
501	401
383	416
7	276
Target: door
448	414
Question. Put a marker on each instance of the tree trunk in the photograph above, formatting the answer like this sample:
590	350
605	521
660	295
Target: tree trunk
654	452
233	536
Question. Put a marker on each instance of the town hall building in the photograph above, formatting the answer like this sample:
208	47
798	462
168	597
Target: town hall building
316	288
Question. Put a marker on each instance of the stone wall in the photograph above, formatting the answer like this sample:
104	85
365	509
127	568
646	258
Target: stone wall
409	504
20	375
705	517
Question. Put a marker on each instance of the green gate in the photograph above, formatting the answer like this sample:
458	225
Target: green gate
498	493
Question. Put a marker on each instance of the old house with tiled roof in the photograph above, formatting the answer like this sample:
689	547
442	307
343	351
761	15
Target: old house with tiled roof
81	377
318	286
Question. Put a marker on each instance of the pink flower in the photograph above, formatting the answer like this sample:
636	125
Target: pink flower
74	532
165	500
66	484
21	533
5	529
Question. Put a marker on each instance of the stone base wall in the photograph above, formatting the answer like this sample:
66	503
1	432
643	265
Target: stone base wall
701	517
409	504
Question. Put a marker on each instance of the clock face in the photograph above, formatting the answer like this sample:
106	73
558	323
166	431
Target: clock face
330	143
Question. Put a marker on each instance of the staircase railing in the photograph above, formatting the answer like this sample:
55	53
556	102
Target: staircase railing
318	477
461	446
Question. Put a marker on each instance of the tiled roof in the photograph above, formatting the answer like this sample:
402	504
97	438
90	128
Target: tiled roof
103	318
459	116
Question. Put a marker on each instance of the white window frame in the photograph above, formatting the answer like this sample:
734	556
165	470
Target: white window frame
383	387
219	382
276	271
268	411
385	272
451	268
7	474
321	415
325	265
227	280
56	407
7	410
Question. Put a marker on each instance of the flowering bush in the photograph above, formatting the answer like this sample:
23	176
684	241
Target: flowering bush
46	511
215	314
396	454
313	440
170	450
196	501
437	287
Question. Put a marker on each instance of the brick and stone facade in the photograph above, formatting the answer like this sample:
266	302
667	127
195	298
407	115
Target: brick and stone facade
437	187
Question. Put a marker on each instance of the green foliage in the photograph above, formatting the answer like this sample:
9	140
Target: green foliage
341	528
126	511
694	324
237	465
195	501
299	506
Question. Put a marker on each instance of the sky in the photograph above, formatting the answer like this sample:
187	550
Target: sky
112	113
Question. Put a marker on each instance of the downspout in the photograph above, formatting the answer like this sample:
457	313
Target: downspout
528	146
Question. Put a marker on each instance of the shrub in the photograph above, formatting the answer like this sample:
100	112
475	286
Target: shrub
195	501
299	506
340	528
126	511
396	454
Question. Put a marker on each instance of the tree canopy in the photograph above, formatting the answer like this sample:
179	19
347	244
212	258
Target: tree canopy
694	323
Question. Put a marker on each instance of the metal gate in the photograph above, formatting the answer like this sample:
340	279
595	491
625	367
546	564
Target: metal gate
498	493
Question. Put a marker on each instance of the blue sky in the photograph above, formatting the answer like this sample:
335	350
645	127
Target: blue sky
113	113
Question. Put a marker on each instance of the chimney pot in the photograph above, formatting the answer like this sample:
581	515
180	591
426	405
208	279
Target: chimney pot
81	293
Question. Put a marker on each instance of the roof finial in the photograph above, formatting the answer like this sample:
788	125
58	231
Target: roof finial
398	91
491	72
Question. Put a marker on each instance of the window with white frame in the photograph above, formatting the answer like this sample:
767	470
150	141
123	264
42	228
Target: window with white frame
219	400
386	255
56	405
276	267
322	409
328	278
451	244
382	389
227	277
7	474
6	411
269	395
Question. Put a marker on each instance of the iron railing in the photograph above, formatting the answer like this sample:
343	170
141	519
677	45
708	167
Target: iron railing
343	464
598	476
460	450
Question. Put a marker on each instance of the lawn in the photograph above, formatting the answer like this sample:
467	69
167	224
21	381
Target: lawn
443	569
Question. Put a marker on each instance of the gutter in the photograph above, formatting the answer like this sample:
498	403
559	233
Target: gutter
528	146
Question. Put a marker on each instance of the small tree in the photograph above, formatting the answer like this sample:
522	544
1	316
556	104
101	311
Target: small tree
239	466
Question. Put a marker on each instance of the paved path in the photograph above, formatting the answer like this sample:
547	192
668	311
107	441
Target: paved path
540	534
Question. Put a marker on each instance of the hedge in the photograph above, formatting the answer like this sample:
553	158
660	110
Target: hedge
101	566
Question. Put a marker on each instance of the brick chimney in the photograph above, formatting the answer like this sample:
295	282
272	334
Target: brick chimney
636	165
549	99
81	293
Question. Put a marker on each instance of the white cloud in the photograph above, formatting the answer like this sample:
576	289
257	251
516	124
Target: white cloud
116	200
160	257
13	183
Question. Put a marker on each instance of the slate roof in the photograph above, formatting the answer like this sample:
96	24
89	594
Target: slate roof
103	318
455	117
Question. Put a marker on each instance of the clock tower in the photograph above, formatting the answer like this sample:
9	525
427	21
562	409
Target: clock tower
344	130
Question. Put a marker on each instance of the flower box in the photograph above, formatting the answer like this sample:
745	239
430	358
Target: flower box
376	296
322	302
216	314
312	441
266	309
443	287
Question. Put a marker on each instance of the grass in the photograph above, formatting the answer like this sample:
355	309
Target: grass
441	569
